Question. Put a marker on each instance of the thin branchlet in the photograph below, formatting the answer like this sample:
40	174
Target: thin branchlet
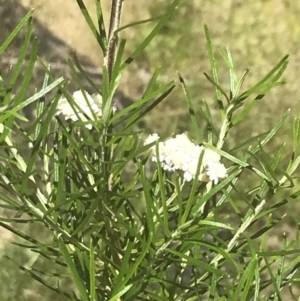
114	25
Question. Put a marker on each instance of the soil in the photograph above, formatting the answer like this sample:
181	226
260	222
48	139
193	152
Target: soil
65	21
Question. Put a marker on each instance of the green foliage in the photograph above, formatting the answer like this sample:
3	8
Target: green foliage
102	226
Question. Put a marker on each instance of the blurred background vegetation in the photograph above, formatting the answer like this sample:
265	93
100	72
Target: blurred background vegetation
258	33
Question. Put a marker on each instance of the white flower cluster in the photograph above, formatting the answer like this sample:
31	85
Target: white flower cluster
180	153
88	104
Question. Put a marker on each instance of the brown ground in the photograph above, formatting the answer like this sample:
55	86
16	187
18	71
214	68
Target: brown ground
68	24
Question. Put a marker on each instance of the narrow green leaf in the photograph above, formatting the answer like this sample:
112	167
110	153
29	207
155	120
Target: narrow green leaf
195	262
281	65
214	72
238	86
201	201
196	127
92	272
192	195
101	25
135	108
163	20
152	85
33	98
14	33
72	267
121	293
218	87
253	102
245	282
213	287
162	191
100	38
270	135
125	267
82	73
232	73
117	65
138	115
40	107
21	57
296	135
132	24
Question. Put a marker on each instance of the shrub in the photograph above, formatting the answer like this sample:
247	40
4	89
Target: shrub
104	223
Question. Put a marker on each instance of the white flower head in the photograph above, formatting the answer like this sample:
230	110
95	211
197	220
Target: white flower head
90	106
214	171
181	154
